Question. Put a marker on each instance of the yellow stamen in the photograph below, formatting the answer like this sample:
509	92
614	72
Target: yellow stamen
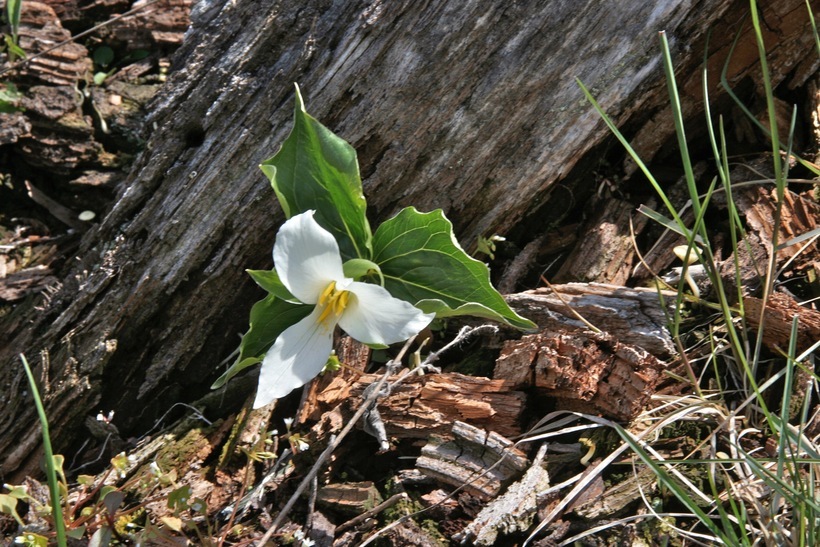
327	293
340	303
333	302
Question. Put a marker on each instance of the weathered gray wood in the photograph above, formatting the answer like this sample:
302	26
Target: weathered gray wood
471	107
478	461
633	316
511	512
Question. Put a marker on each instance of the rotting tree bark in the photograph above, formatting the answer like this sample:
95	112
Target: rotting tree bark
470	107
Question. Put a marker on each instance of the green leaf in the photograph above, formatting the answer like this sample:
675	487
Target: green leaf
112	501
358	268
269	280
315	169
103	56
235	369
8	506
13	9
178	499
269	318
423	264
14	50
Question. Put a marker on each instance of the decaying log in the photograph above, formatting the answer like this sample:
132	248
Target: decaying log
425	405
633	316
479	461
468	107
582	370
511	512
781	309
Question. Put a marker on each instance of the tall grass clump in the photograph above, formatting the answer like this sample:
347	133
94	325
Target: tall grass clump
758	466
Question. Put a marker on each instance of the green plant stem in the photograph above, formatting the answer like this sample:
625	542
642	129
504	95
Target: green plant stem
51	473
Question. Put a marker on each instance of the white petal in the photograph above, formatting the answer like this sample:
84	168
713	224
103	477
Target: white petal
306	257
373	316
297	356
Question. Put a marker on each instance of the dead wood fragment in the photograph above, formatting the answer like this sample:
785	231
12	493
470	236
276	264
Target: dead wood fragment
511	512
632	315
606	253
57	209
780	310
13	127
350	498
409	534
438	503
474	459
151	26
583	371
40	29
17	285
616	499
799	215
354	356
423	405
61	135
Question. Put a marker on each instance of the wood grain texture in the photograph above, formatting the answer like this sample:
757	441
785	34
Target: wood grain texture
471	107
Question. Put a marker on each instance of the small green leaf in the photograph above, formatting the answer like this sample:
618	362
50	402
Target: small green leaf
423	264
269	318
99	77
105	490
178	499
76	533
358	268
315	169
113	500
269	280
13	48
8	506
137	54
103	56
235	369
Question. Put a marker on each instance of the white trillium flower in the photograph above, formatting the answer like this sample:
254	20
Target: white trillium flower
309	265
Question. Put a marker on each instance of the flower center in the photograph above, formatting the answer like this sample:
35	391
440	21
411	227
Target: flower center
333	303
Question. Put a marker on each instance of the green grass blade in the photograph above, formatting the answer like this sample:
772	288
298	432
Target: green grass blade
680	132
638	161
13	8
813	26
51	473
727	536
